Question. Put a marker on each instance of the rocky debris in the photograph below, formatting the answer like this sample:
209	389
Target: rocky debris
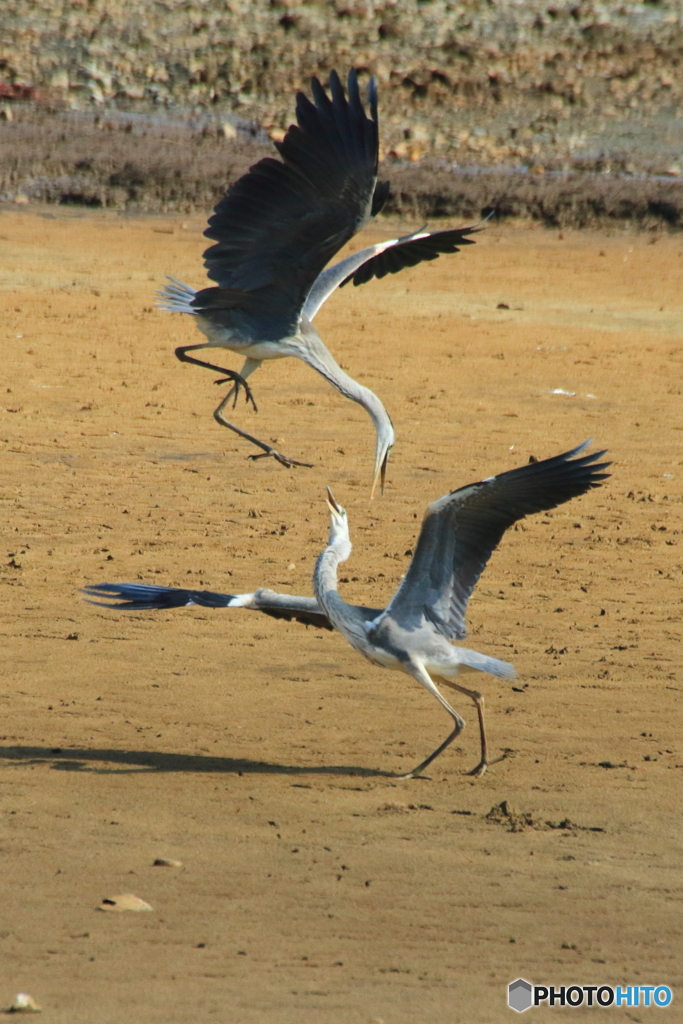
126	901
505	814
515	820
160	106
24	1003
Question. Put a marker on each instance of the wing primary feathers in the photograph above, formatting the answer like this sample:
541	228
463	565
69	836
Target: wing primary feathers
278	225
372	98
354	91
461	530
141	597
409	251
137	596
379	198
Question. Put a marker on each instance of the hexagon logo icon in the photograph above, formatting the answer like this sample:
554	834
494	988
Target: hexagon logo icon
520	995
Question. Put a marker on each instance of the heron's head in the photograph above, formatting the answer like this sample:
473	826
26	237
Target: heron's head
339	523
385	442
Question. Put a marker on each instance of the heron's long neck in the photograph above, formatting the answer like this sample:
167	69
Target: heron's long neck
325	583
316	355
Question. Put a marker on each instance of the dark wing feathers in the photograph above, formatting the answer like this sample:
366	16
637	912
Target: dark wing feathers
411	252
380	196
132	596
461	530
139	597
285	219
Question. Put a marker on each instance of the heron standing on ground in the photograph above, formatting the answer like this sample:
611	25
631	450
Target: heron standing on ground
458	535
276	229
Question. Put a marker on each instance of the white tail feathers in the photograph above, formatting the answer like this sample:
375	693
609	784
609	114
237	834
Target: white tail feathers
176	297
243	601
482	663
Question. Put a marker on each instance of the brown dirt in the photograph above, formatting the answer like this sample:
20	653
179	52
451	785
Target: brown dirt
315	887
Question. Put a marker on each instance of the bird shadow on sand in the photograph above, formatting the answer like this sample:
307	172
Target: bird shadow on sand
85	760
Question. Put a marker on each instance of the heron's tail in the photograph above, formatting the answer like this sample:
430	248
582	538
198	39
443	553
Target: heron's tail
482	663
177	297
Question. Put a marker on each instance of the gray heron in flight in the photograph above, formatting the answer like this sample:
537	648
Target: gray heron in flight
413	633
276	229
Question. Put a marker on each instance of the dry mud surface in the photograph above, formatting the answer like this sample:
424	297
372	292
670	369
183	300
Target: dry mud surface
315	886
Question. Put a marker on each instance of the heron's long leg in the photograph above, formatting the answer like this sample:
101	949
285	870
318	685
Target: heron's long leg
420	673
432	757
248	367
268	450
478	699
239	379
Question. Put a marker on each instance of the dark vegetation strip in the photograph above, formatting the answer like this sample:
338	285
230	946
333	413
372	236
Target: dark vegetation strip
144	167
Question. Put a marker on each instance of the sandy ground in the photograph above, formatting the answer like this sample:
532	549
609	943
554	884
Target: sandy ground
315	887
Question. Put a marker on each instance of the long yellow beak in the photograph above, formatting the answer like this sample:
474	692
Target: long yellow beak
380	475
331	503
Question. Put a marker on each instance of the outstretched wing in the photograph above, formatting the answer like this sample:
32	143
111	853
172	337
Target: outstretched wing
383	258
281	222
461	530
409	251
139	596
132	596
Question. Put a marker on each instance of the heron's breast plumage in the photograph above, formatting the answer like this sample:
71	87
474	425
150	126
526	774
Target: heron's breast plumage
389	638
242	338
